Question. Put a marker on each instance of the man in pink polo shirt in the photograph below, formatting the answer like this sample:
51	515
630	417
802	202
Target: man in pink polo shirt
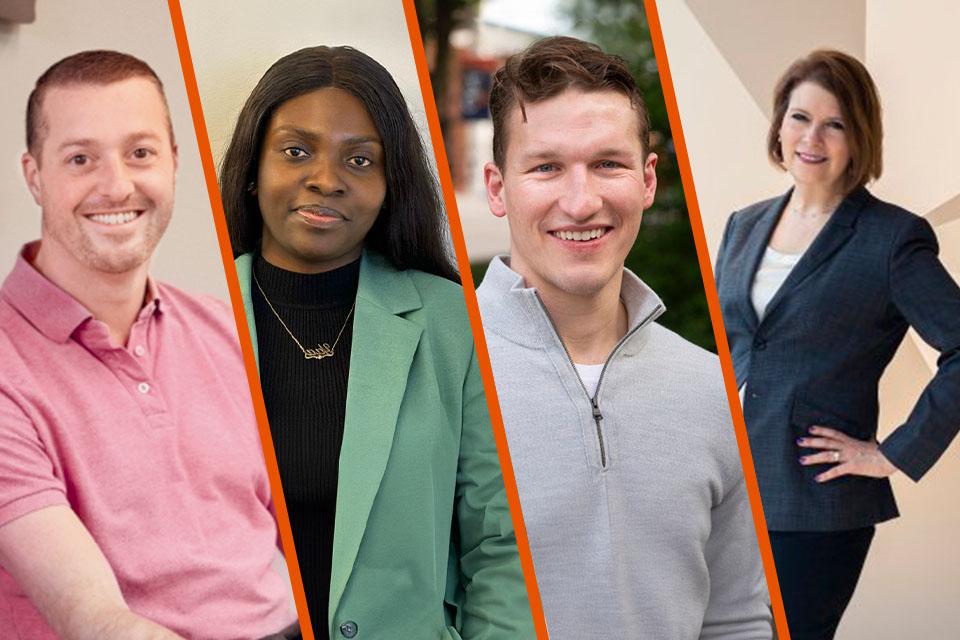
134	500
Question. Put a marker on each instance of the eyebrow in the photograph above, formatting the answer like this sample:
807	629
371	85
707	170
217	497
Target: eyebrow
313	135
550	154
807	113
89	142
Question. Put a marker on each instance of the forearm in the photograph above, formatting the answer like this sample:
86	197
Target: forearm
112	623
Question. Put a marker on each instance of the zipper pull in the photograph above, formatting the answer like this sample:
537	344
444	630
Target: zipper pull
597	416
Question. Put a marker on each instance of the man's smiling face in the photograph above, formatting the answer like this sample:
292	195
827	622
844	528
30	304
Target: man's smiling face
104	174
573	188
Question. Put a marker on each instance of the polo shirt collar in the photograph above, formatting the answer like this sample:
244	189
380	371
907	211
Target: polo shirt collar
53	311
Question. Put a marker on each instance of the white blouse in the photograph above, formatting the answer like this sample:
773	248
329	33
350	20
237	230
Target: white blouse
773	270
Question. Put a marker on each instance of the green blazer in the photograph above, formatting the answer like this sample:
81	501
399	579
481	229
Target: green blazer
424	545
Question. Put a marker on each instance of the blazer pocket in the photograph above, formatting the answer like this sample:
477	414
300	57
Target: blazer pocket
806	414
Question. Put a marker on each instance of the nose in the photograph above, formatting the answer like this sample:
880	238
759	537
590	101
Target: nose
116	180
581	198
323	176
813	133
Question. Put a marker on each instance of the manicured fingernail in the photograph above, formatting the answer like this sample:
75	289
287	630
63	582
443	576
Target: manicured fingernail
799	440
803	459
812	429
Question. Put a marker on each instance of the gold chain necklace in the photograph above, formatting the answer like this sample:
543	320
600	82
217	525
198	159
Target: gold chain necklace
323	350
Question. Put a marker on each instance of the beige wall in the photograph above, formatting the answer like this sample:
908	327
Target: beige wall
724	59
189	255
233	44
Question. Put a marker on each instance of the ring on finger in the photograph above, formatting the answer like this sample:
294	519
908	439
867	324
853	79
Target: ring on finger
836	455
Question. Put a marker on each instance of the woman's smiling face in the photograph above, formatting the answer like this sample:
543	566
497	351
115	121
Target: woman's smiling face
813	138
321	182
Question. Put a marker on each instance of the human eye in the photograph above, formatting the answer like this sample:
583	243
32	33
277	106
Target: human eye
799	117
360	161
609	164
143	153
78	160
546	167
836	124
295	152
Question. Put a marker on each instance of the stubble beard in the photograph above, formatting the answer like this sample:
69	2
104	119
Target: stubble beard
109	255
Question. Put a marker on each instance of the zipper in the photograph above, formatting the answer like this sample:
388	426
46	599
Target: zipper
595	398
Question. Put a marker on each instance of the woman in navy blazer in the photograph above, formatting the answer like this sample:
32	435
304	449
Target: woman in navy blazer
818	288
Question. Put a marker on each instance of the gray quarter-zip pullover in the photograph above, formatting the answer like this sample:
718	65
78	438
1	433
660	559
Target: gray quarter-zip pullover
633	499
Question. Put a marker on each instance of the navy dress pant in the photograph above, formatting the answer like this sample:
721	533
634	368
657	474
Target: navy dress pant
818	572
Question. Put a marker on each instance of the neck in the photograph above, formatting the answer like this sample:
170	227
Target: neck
589	325
112	298
807	198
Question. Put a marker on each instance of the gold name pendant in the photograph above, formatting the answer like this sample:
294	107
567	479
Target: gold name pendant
322	351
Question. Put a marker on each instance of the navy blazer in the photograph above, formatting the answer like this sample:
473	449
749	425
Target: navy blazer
817	355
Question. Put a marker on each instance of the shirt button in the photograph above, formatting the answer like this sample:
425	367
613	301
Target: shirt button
143	387
759	344
348	629
139	350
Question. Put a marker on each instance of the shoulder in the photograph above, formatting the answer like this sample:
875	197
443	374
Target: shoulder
748	216
437	291
888	218
442	311
692	364
196	308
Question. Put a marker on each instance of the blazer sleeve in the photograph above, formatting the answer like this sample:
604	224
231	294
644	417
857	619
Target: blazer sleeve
493	603
929	299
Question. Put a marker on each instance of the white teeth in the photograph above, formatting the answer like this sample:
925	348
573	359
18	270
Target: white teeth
114	218
580	236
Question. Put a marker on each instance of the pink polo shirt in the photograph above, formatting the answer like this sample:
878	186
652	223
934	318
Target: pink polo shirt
154	446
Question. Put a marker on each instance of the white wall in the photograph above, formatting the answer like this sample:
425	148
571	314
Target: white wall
724	59
189	255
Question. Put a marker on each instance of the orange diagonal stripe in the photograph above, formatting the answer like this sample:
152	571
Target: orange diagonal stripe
713	302
456	232
233	284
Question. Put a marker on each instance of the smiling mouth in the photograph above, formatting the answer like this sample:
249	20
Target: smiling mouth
319	211
811	158
114	219
584	235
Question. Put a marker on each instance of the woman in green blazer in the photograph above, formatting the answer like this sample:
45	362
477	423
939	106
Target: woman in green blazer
367	364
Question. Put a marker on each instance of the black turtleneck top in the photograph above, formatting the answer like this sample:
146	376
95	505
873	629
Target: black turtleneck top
306	403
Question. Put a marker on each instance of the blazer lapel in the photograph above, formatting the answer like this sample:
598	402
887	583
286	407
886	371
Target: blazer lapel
384	344
834	235
756	246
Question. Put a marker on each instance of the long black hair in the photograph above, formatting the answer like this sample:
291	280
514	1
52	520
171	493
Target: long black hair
410	229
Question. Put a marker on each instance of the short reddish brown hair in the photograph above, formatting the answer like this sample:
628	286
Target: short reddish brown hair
850	83
87	67
547	68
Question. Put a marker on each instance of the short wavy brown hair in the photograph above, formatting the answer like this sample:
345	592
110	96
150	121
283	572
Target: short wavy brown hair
547	68
850	83
87	67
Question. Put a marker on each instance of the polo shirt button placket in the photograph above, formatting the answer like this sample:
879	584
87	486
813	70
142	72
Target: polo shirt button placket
348	629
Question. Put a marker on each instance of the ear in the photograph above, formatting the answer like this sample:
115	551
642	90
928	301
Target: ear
493	180
31	173
176	157
649	180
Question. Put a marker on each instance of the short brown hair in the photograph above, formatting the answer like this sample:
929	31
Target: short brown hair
86	67
547	68
850	83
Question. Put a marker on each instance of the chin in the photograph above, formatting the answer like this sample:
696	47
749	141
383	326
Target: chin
582	284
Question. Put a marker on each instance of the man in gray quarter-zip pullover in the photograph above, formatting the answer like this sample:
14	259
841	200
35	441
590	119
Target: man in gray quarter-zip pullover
619	430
